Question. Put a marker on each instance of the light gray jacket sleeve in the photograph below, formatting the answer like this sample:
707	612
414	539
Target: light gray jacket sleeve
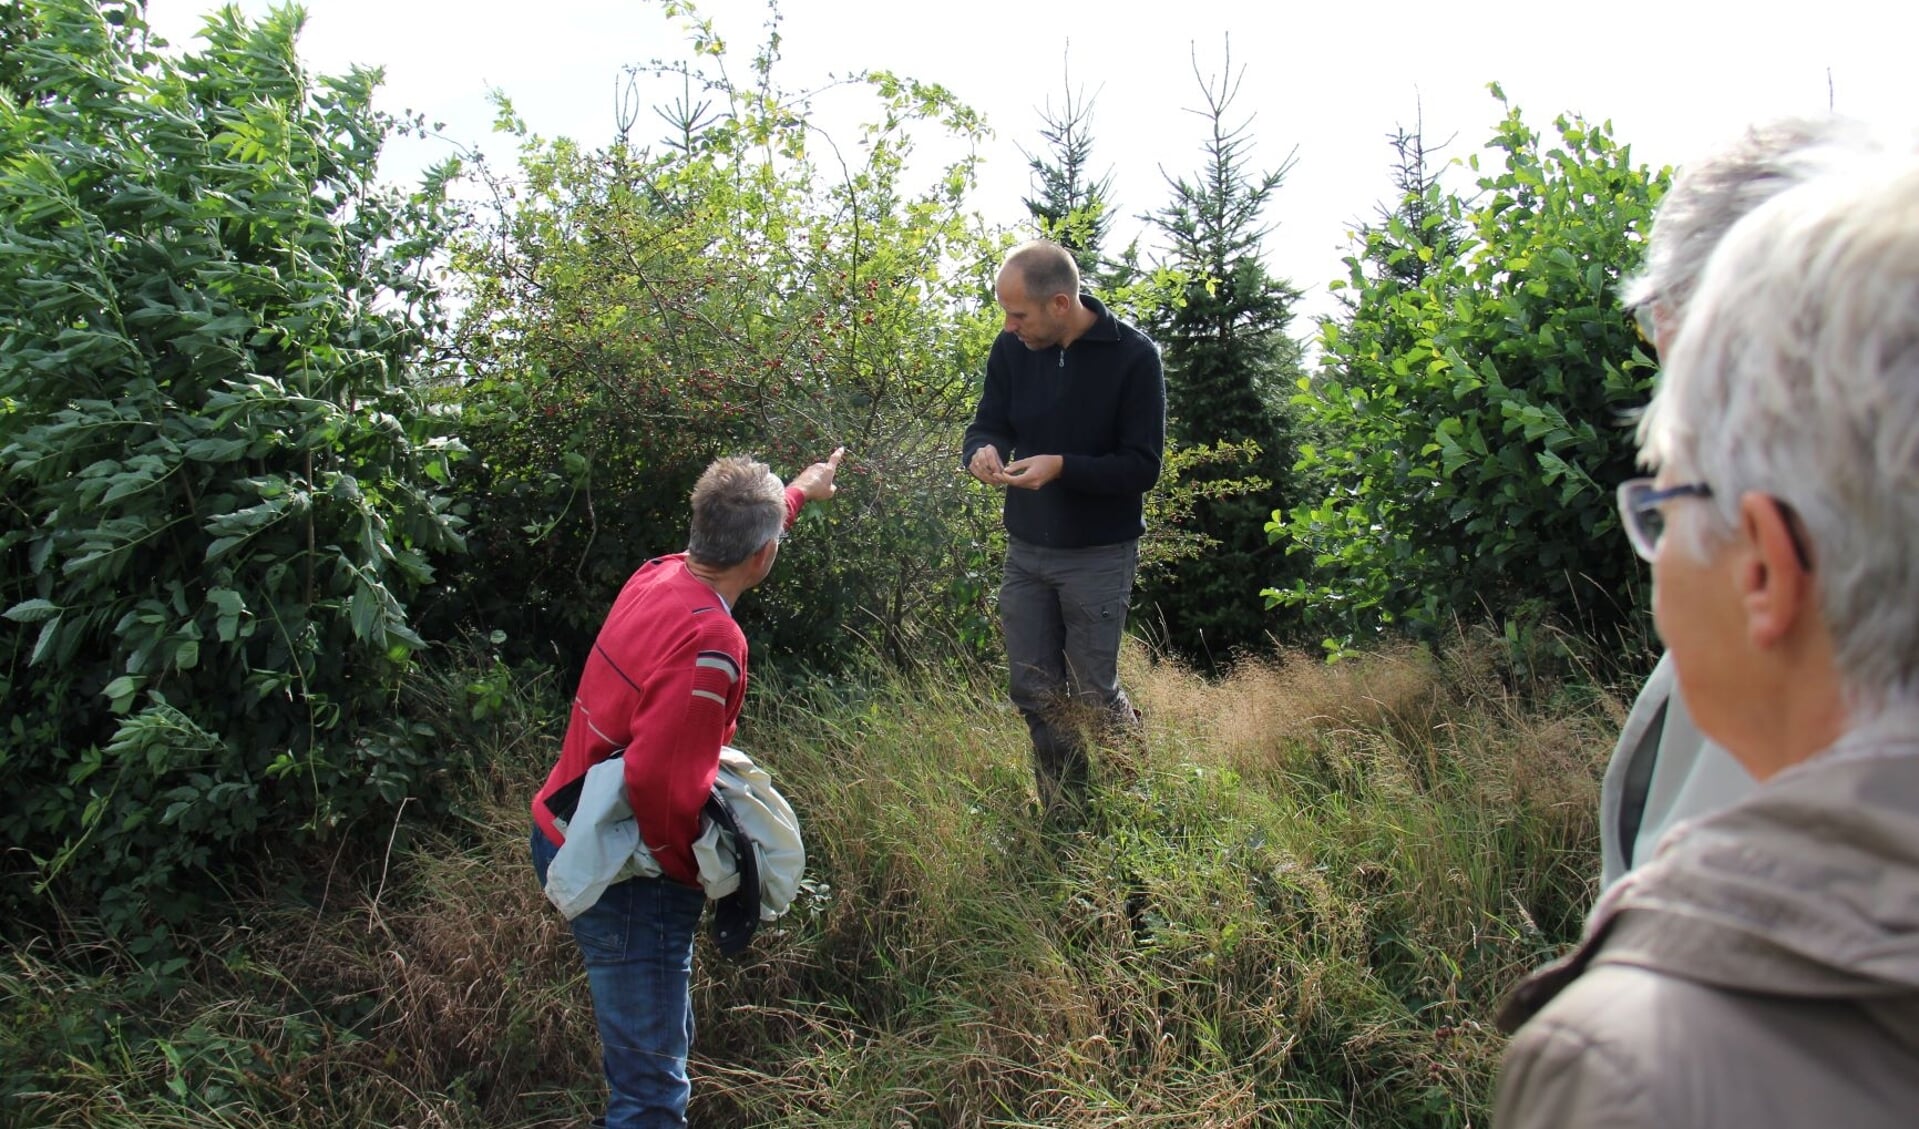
1662	772
1628	772
1694	777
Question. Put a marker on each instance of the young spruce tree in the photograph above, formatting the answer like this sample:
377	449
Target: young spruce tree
1070	205
1229	366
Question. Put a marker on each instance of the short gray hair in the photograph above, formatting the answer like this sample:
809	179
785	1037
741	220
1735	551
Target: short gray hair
1046	268
1797	376
738	506
1708	196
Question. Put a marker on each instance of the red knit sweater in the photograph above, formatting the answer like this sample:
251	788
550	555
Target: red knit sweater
665	682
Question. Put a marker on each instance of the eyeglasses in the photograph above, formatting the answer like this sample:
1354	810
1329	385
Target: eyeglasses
1645	522
1639	511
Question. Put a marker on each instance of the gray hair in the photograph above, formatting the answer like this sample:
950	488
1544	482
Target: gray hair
1710	195
738	506
1046	268
1797	376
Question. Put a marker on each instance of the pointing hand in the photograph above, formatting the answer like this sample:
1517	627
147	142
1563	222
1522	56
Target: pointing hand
816	481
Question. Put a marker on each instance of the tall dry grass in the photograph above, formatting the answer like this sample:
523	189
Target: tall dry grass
1296	902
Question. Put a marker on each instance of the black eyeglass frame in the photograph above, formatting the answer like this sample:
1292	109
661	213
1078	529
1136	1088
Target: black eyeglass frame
1639	501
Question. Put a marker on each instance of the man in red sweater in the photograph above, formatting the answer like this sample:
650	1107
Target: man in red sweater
663	688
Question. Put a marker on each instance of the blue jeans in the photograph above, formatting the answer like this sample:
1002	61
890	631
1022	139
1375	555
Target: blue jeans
1063	613
638	944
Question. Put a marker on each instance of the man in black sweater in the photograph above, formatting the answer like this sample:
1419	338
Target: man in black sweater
1072	420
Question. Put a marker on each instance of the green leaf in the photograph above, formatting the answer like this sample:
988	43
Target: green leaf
228	606
216	450
49	631
121	691
33	611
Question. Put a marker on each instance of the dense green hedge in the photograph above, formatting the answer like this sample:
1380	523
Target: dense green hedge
221	488
1472	418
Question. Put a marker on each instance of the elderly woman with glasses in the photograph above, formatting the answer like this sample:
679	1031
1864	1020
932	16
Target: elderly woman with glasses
1762	969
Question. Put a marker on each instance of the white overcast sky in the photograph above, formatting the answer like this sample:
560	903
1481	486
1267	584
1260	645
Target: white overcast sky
1332	79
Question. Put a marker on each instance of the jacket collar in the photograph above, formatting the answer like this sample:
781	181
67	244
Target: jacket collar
1106	328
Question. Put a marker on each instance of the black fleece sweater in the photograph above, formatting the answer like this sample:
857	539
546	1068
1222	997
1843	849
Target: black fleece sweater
1100	403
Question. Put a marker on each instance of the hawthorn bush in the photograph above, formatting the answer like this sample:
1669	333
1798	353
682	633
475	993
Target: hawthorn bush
636	311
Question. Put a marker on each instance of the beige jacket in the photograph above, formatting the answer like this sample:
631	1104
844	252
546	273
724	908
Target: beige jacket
1761	970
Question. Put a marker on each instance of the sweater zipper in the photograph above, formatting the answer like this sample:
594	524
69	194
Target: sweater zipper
1062	356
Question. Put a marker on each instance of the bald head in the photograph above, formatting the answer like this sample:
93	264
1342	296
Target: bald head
1045	269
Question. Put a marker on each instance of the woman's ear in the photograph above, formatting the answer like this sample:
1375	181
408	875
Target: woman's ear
1775	585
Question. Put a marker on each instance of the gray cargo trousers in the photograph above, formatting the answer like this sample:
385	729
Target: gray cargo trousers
1063	613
